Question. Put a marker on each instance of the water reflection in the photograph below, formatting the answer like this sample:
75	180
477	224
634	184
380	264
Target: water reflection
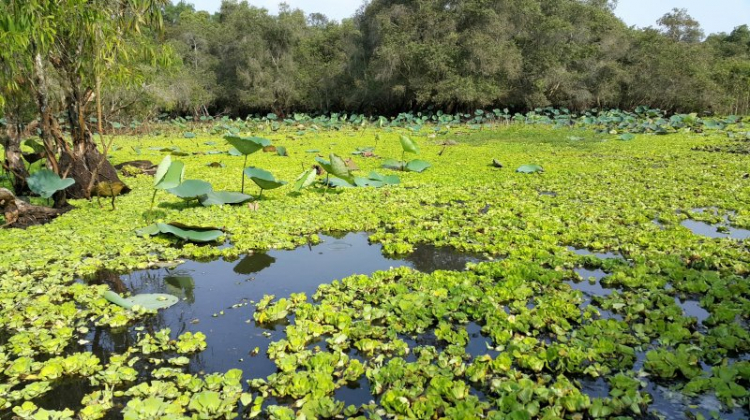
254	263
428	258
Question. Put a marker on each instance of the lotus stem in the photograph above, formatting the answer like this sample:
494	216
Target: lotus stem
243	175
153	199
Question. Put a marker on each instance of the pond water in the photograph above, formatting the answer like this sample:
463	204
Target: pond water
217	298
721	230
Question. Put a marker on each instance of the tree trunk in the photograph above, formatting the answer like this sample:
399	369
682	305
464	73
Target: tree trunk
51	138
21	214
83	161
14	160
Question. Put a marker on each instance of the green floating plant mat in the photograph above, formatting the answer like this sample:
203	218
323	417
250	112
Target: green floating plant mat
147	300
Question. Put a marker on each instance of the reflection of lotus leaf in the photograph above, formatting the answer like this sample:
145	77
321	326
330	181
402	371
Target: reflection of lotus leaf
181	285
254	263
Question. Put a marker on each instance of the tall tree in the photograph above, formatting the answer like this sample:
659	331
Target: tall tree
680	26
75	42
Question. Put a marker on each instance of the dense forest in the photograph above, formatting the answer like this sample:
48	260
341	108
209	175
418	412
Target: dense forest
397	55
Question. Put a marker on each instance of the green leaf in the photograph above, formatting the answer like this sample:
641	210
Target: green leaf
366	182
409	145
306	179
262	178
386	179
45	183
188	135
417	165
188	233
247	145
281	151
149	301
339	168
626	137
218	198
529	169
191	188
169	174
161	170
394	164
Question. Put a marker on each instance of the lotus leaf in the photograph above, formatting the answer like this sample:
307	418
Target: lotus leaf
247	145
187	233
218	198
417	165
305	179
151	301
529	169
409	145
262	178
169	174
45	183
191	188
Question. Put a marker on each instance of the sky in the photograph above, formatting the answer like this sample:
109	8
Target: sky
714	16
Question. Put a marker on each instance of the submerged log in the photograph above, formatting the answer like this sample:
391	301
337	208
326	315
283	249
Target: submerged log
20	214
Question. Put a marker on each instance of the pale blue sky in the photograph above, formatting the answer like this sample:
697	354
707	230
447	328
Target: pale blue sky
714	16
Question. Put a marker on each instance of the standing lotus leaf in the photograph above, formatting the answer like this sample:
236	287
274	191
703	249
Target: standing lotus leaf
409	145
45	183
337	167
247	145
263	179
306	179
191	188
169	174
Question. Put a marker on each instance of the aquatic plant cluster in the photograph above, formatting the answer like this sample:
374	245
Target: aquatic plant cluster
530	198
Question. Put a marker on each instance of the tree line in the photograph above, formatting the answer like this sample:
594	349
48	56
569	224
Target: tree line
397	55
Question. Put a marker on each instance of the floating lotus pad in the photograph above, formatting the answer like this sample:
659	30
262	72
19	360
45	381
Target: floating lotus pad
529	169
218	198
151	301
415	165
187	233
